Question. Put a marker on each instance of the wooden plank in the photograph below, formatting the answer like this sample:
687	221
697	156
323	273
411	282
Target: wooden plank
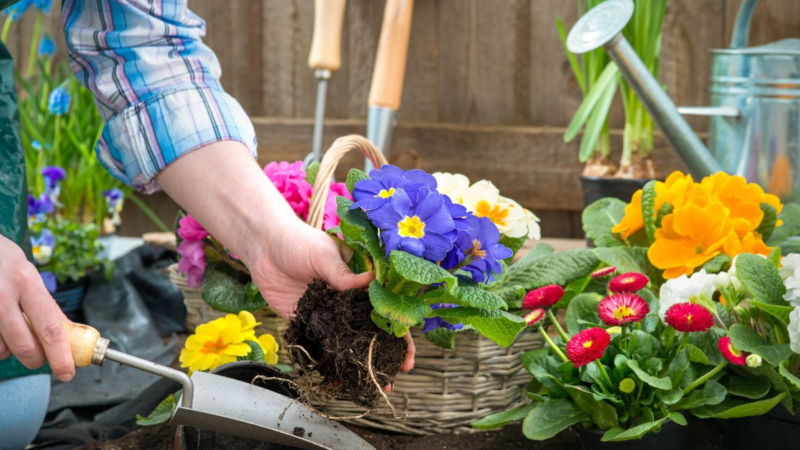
773	20
364	27
278	79
420	101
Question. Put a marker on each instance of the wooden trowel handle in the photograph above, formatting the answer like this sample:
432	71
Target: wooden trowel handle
326	45
390	62
82	339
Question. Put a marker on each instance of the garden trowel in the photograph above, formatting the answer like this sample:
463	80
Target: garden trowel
216	403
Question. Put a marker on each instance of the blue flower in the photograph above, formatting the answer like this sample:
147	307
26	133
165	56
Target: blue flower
384	182
43	247
478	251
17	10
114	199
459	214
50	282
36	145
43	5
421	225
437	322
39	207
47	47
58	103
52	182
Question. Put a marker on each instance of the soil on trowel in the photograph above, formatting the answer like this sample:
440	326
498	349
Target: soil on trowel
336	329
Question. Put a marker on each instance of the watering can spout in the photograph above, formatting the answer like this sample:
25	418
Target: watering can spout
602	27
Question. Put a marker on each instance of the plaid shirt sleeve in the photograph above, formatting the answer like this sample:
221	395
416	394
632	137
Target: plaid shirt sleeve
155	83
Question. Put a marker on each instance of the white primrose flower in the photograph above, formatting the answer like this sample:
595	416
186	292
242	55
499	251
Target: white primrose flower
685	289
534	230
794	330
724	279
452	185
790	265
790	272
484	200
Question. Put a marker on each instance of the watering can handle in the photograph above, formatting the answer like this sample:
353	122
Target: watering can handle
741	29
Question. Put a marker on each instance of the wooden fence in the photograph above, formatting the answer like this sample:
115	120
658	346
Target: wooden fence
488	89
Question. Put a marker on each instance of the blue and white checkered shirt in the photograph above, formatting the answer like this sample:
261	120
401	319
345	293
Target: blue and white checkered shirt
156	84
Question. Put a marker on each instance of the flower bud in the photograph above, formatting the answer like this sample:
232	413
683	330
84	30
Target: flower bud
627	385
754	360
614	330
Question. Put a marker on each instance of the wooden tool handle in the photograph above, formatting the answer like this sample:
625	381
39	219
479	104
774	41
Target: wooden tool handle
82	339
390	62
326	45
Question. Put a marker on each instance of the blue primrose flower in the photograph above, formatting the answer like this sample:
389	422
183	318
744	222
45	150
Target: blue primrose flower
384	182
52	182
478	251
50	282
58	102
421	226
437	322
47	47
39	207
43	247
17	10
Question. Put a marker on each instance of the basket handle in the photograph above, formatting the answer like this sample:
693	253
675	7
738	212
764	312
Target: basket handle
340	147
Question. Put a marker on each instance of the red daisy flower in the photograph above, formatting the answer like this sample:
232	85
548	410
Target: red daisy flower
623	308
542	297
587	346
689	317
628	282
731	353
534	317
604	273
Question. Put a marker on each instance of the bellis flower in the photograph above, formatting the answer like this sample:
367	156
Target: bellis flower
114	200
437	322
43	246
50	281
290	180
543	297
52	182
689	317
192	262
58	102
622	308
534	317
628	282
478	251
685	289
421	226
383	183
604	274
587	346
731	353
47	47
190	230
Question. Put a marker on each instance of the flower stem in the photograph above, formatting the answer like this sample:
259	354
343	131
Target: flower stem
552	344
684	340
555	323
623	339
704	378
6	29
606	378
34	44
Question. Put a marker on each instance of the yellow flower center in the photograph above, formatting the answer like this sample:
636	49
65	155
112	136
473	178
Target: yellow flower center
476	251
411	227
733	351
628	280
622	312
699	249
689	318
587	344
213	347
496	214
385	194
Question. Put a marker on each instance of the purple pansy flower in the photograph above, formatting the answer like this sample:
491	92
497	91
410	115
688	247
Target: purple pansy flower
480	248
52	182
37	208
114	198
43	246
376	191
437	322
421	225
193	262
50	282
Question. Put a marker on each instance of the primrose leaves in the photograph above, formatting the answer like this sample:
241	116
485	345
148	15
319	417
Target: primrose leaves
499	326
353	177
761	278
407	311
416	272
742	337
599	218
225	293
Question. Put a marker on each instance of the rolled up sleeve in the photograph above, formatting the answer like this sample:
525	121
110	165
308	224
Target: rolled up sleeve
155	84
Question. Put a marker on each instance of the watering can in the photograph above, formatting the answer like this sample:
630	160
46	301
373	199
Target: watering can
754	128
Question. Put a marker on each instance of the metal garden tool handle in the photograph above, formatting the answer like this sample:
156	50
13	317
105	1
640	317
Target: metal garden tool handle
325	57
386	89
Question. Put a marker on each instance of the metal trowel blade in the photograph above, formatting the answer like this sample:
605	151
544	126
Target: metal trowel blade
233	407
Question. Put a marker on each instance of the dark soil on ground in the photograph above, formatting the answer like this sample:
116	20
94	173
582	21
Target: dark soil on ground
705	435
336	329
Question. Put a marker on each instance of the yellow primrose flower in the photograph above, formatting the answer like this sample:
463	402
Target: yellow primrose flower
633	220
270	348
675	191
750	243
452	185
742	199
216	343
249	325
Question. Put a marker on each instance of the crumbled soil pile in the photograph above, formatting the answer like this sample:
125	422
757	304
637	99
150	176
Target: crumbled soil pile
336	329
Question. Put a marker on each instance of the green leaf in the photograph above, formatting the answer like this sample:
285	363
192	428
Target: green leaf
642	346
696	355
442	338
225	293
671	396
311	173
648	209
717	263
780	312
603	415
162	413
503	418
708	343
658	383
791	225
353	177
788	376
551	417
599	218
761	278
618	434
513	244
664	211
533	254
625	259
582	312
499	326
677	418
256	352
470	296
752	388
597	121
775	257
559	268
712	393
285	368
593	100
767	225
358	230
734	409
743	338
418	271
407	311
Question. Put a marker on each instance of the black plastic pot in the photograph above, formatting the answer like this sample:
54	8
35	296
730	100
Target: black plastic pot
671	437
595	188
187	438
775	430
69	297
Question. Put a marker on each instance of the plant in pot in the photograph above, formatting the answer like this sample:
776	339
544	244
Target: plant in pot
599	78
